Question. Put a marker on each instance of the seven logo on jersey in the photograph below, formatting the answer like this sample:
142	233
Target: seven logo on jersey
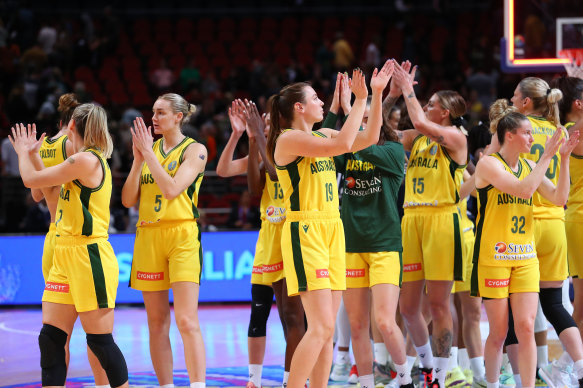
500	247
512	251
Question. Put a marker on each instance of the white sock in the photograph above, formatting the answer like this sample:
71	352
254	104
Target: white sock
109	386
366	381
440	369
197	384
463	358
565	359
493	385
161	386
578	369
542	356
477	365
403	373
518	380
255	371
342	357
425	355
380	353
411	361
285	378
453	362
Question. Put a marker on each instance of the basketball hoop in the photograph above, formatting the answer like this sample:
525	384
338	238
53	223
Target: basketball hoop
575	67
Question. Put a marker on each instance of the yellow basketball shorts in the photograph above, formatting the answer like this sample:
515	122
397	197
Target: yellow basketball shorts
85	273
551	248
365	270
432	244
499	282
49	250
268	262
165	254
313	251
465	285
575	248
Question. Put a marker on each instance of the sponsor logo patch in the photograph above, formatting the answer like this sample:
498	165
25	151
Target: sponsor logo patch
150	275
57	287
172	165
500	247
257	269
322	273
412	267
497	283
305	228
273	268
355	273
350	182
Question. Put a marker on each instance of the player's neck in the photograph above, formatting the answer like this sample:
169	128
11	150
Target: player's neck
172	139
510	156
574	116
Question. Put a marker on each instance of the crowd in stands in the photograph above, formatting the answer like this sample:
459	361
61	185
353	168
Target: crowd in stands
124	61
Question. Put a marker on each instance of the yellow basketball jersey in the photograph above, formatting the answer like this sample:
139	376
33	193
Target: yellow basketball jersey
541	128
575	203
84	211
272	206
432	178
466	223
505	224
153	206
309	184
53	151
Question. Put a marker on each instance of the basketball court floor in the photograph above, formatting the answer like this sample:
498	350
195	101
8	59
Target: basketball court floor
224	329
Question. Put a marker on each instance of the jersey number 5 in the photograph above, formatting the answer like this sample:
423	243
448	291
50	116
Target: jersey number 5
158	203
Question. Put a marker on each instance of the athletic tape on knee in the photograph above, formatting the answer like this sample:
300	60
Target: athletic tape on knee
110	358
551	300
261	299
51	342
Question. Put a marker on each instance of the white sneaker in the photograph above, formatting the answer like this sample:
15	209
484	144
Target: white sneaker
392	384
555	375
479	382
340	371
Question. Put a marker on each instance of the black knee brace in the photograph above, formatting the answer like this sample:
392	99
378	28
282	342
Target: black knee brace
551	300
511	338
51	342
110	358
261	299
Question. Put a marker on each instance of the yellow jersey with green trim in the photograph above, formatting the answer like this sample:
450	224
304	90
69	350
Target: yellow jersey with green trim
541	128
53	151
466	223
84	211
309	184
505	224
575	203
433	178
272	205
154	208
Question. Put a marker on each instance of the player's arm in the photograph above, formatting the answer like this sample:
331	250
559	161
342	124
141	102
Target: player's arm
255	175
227	167
130	193
468	186
558	195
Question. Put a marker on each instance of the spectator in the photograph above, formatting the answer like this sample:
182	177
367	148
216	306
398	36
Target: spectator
343	55
189	76
162	78
243	214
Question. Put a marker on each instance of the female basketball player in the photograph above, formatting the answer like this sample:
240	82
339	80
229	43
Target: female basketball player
313	236
505	256
432	260
84	276
54	150
372	178
165	178
267	265
534	98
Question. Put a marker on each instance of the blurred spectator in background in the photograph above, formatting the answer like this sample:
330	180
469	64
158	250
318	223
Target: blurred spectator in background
343	55
189	76
243	214
37	218
162	78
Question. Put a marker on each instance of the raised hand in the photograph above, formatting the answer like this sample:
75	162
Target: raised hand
335	105
380	78
570	144
254	120
345	94
395	90
237	117
23	138
553	144
141	136
358	84
404	76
